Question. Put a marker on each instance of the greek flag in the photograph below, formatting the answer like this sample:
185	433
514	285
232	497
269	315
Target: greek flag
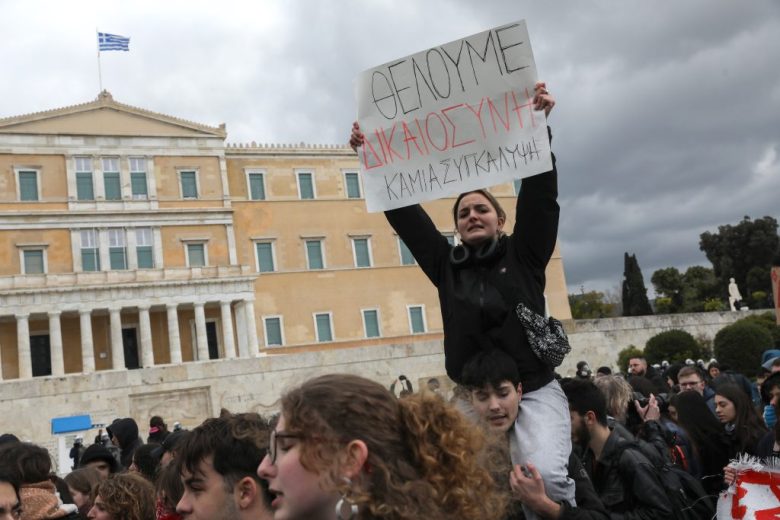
113	42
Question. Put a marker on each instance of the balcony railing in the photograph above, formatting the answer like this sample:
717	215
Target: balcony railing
40	281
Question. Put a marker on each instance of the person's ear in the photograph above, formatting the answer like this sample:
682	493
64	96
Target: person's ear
246	492
519	391
356	456
501	222
590	418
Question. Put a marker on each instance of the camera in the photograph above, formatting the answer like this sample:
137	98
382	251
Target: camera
661	399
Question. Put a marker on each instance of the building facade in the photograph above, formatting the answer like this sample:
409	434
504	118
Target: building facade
133	239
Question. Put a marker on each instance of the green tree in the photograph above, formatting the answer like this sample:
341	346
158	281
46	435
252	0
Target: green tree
626	354
767	321
685	292
699	285
668	282
740	346
743	252
590	305
673	346
635	302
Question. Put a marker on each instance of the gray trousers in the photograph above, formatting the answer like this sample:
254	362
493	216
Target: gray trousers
542	436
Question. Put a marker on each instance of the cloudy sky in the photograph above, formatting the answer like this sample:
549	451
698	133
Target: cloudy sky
668	116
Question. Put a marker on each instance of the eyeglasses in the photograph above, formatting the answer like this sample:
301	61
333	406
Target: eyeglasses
690	385
275	436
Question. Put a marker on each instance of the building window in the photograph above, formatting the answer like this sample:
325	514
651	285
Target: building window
273	326
306	185
138	185
314	256
361	249
111	181
28	185
189	184
516	185
406	255
417	319
90	251
256	181
196	254
371	323
265	257
143	248
323	323
33	261
117	249
352	184
85	189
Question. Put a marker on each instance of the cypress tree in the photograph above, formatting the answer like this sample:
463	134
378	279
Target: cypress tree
635	302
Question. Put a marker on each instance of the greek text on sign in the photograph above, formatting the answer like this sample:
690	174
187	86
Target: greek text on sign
452	118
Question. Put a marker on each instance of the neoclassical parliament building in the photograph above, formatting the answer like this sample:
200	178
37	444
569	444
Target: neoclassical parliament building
136	240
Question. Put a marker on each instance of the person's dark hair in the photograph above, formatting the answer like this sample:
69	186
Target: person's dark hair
126	496
237	444
99	452
584	397
606	371
157	422
766	387
673	372
748	426
25	462
83	479
423	454
147	463
490	367
642	385
489	196
713	364
62	488
695	417
169	487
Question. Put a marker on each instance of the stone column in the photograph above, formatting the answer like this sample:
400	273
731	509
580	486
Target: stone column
87	347
251	329
174	341
227	330
23	346
200	333
55	344
243	348
145	326
117	347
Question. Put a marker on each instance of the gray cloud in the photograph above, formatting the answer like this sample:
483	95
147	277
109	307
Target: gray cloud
666	125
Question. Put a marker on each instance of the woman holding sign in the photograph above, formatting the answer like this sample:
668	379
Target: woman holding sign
481	284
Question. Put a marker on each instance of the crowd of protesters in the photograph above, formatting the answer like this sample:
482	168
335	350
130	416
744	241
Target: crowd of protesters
343	447
515	441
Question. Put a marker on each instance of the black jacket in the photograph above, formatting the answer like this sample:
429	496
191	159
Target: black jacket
478	298
589	506
628	486
126	432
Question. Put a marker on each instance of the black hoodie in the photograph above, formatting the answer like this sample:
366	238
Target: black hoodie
125	431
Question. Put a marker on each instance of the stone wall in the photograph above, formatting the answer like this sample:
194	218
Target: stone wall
599	341
191	392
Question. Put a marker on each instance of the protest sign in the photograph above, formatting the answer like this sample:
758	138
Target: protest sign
754	496
452	118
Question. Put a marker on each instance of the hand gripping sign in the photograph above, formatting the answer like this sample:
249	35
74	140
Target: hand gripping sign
755	495
452	118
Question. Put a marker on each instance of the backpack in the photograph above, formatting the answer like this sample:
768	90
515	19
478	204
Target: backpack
687	497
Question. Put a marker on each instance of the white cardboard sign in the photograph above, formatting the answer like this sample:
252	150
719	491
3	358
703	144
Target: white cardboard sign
451	118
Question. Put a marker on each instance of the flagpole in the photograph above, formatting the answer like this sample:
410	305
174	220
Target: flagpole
100	73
